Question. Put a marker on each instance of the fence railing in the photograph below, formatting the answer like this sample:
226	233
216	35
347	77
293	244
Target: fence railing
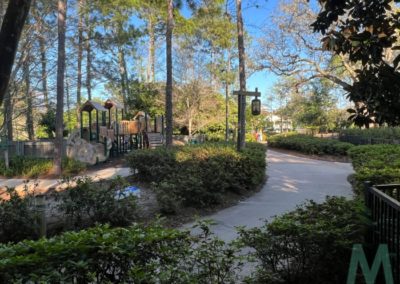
362	140
37	149
384	204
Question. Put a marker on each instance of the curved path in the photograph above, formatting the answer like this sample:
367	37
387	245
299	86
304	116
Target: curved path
291	181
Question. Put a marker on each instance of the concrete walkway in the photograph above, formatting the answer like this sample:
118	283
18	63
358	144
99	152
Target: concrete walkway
43	185
292	180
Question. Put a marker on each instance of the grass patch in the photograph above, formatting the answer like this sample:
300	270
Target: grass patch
29	167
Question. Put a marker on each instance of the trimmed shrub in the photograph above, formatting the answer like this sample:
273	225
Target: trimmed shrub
309	144
29	167
199	175
379	133
311	244
84	203
18	218
378	164
132	255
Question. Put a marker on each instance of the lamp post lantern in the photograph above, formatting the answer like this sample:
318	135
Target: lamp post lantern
255	110
256	106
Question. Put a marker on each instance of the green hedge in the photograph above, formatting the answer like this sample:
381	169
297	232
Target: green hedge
378	164
29	167
311	244
309	145
379	133
123	255
199	175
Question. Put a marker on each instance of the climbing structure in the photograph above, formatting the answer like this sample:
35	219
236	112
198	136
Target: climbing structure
105	127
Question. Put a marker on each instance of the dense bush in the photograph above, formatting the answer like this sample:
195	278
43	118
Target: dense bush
380	133
18	217
311	244
84	203
309	144
199	175
132	255
29	167
378	164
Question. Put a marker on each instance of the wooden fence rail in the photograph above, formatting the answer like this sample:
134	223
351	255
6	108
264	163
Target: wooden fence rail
37	149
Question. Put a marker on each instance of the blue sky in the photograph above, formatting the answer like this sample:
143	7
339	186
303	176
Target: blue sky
255	18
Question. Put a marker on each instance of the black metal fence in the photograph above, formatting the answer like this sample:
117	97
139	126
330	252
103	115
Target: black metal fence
384	204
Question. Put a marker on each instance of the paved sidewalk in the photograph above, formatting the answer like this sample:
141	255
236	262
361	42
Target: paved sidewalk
43	185
292	180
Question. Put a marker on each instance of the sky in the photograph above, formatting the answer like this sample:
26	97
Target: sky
255	18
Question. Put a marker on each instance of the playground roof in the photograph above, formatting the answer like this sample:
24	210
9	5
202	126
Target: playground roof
91	105
112	103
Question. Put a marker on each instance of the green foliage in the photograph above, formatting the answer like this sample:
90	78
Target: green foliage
26	166
30	167
132	255
18	218
378	164
378	133
84	203
366	39
72	167
145	97
199	175
311	244
309	145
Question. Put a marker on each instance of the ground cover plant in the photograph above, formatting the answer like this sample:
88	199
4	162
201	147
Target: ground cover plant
85	203
18	218
378	164
29	167
309	144
297	247
135	254
199	175
82	204
311	244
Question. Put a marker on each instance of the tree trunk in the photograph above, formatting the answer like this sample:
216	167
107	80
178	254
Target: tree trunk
28	97
227	98
122	73
8	112
168	93
151	56
80	58
11	28
88	58
2	10
42	49
242	79
68	100
62	9
44	70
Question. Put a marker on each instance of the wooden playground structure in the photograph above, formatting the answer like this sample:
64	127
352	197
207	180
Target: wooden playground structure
106	122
